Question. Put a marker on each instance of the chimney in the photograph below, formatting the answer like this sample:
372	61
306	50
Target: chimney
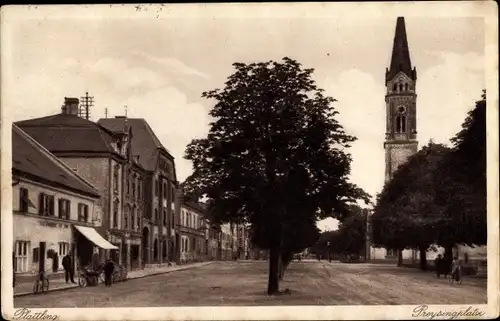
70	106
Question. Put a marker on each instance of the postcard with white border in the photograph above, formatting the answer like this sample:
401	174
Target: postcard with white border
250	161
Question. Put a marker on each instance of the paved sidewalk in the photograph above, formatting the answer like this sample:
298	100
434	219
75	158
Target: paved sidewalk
58	284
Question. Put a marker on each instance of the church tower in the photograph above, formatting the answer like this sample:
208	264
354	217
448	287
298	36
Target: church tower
401	104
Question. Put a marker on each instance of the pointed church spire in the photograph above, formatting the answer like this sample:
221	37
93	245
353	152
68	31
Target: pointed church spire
400	60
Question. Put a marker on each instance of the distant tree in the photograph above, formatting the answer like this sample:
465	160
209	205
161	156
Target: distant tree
351	236
274	140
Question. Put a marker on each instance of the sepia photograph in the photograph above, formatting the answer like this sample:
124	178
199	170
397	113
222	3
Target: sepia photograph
250	161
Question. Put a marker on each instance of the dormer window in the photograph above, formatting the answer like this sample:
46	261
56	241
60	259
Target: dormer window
406	87
395	88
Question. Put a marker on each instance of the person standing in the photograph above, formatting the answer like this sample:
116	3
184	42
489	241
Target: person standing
67	263
109	268
438	265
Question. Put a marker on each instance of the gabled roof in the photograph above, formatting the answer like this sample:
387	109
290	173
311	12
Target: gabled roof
32	159
144	141
400	59
69	133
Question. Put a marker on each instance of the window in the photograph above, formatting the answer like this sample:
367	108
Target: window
83	212
63	248
395	87
156	216
115	178
138	219
36	255
173	194
125	217
21	256
133	224
165	190
115	214
133	187
128	183
24	201
64	209
400	87
157	187
401	124
406	87
139	184
46	204
165	218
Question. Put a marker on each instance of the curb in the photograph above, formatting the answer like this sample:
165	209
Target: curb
182	268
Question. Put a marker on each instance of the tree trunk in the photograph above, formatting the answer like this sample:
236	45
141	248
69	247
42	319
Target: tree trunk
400	257
274	262
423	258
448	256
280	269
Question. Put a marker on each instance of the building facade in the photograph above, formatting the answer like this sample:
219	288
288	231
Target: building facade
104	159
213	242
227	243
160	189
52	207
193	230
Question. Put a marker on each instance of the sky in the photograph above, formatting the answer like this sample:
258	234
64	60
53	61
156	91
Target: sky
158	63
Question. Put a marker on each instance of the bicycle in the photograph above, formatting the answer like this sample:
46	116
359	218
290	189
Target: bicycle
41	283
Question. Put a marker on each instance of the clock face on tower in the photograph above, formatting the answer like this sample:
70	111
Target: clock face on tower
402	109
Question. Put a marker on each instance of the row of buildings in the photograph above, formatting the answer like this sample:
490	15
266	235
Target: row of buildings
105	189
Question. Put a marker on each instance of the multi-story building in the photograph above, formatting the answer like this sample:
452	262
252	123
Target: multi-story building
105	159
160	184
243	242
213	240
192	230
227	242
55	210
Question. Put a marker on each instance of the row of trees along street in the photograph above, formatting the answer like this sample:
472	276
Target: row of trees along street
438	197
348	242
275	158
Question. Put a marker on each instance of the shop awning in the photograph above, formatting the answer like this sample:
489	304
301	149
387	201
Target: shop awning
94	237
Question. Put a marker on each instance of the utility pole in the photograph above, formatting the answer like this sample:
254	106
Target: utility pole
105	112
86	103
126	108
368	236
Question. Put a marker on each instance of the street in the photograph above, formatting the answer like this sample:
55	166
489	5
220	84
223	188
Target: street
245	283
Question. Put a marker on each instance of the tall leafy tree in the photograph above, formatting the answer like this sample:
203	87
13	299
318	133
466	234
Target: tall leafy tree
462	188
406	214
274	141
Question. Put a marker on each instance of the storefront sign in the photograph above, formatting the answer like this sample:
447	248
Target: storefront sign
48	223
